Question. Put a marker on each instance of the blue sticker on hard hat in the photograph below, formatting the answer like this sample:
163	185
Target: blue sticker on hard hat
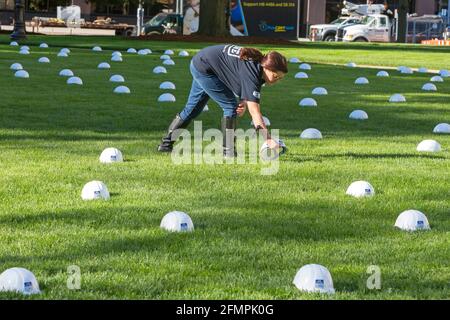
420	224
113	157
367	190
97	192
28	286
320	283
183	226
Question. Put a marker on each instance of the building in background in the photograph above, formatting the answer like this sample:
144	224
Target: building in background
121	12
274	18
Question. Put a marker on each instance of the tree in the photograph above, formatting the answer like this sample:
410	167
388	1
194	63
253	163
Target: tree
213	19
403	10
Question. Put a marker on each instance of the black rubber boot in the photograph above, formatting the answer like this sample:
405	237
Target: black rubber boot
168	141
229	137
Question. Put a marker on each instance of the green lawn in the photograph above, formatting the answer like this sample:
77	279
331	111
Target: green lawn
252	232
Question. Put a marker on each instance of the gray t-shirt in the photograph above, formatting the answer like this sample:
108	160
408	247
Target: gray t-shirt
243	77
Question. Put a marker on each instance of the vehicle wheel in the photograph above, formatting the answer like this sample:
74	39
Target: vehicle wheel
360	39
154	33
330	38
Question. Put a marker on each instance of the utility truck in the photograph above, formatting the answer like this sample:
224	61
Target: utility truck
373	28
351	14
383	28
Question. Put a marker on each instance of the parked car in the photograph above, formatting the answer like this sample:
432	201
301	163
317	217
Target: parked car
327	32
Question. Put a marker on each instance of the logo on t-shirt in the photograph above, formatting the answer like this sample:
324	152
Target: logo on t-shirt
234	51
256	94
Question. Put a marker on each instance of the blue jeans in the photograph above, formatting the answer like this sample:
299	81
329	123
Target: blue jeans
205	86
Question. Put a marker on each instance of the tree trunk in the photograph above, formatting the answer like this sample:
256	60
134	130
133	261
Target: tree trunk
213	18
403	10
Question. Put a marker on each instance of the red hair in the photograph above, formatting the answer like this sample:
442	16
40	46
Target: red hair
274	61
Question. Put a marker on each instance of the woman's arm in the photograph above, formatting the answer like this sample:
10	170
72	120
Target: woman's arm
255	112
258	122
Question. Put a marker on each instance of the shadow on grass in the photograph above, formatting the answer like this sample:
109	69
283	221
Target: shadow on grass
350	155
105	42
295	222
32	135
222	244
375	47
384	118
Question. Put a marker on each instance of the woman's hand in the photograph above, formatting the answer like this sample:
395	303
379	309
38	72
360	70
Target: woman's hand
272	144
241	108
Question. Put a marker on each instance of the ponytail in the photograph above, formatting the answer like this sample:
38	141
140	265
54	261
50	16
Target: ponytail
273	61
251	54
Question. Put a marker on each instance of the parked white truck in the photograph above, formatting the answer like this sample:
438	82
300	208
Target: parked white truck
383	28
372	28
351	14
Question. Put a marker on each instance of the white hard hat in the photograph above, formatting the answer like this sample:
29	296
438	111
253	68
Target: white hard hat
159	69
117	78
308	102
116	58
19	280
319	91
304	66
382	74
104	65
442	128
183	53
359	115
412	220
360	189
122	90
177	221
167	85
66	73
166	97
362	80
75	80
429	146
311	133
169	62
397	98
95	190
314	278
110	155
429	87
268	154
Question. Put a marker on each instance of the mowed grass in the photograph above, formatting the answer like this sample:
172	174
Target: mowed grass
252	232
